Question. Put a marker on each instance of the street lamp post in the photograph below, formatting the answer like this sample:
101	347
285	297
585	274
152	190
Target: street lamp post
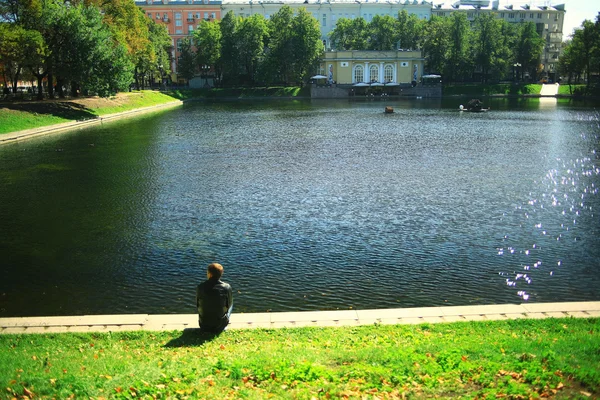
516	67
162	79
205	69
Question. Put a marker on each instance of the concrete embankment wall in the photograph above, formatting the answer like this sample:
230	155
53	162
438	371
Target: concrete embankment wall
343	91
149	322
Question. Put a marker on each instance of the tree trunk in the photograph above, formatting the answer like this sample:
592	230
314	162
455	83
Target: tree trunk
59	88
50	85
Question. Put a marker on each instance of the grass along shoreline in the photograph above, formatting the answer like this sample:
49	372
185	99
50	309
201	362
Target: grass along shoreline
21	115
515	359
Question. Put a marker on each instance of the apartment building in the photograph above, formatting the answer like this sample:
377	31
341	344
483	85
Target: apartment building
181	17
548	20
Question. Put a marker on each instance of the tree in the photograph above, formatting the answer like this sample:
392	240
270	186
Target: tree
529	47
383	33
507	44
187	61
435	43
251	36
307	44
19	49
229	47
350	34
485	43
410	30
208	44
458	53
279	60
161	46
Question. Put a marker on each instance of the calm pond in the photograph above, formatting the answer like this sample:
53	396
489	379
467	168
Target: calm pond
309	205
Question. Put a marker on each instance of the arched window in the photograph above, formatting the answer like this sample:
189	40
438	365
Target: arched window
359	75
373	73
388	73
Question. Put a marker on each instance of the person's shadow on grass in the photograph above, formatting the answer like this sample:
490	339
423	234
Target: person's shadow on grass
191	337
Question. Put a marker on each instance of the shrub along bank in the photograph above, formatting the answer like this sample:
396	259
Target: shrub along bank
517	359
507	89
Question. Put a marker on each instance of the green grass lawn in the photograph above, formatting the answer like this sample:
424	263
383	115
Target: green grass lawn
572	89
491	89
519	359
16	116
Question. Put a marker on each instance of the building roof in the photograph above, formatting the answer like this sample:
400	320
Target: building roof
494	5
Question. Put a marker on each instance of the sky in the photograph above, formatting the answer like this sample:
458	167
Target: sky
576	12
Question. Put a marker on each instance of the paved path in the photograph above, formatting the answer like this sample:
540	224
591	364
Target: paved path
44	130
549	89
150	322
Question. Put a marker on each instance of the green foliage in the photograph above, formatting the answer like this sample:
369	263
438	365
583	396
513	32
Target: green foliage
512	359
383	33
410	30
187	60
581	56
491	89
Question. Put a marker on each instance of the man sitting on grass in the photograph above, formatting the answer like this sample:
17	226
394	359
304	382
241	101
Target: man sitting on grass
214	300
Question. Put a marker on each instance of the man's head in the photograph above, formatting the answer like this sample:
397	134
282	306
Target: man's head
215	270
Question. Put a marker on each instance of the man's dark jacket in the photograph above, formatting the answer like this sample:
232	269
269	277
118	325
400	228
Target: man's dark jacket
213	299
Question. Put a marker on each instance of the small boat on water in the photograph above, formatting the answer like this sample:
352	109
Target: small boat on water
474	105
389	110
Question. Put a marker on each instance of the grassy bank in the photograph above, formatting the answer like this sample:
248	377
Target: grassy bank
16	116
491	89
579	90
518	359
240	93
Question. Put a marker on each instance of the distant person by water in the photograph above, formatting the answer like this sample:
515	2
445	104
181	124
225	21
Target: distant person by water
214	300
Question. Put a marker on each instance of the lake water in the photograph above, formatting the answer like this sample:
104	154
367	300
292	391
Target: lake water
309	205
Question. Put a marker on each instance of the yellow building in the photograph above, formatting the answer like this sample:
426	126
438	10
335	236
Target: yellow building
351	67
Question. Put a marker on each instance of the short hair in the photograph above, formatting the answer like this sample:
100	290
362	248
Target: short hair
215	270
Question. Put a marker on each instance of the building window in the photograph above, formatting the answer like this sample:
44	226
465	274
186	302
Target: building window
177	15
522	15
178	22
213	15
197	15
179	44
470	15
325	43
157	15
165	17
179	31
324	19
511	15
190	29
373	73
358	74
502	15
333	18
205	15
530	15
353	16
149	15
388	73
190	15
539	15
